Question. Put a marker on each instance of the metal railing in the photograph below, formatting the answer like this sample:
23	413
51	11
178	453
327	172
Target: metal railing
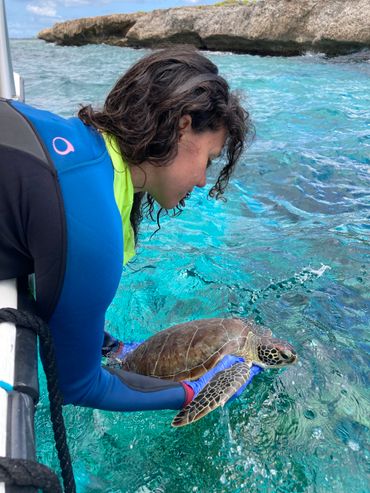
18	348
18	385
11	84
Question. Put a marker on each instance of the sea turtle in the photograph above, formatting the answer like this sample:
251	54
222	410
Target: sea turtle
188	350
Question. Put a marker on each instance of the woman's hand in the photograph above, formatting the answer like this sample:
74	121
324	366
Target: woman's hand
195	386
115	349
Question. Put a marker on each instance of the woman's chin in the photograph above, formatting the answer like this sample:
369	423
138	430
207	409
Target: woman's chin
168	203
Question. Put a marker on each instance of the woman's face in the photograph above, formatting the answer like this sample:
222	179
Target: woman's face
170	184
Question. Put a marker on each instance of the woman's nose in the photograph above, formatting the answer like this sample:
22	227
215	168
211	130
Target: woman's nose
202	182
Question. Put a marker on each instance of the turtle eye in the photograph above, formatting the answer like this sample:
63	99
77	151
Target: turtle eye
286	355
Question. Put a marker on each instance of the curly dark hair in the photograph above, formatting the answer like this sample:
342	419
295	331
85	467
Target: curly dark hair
144	108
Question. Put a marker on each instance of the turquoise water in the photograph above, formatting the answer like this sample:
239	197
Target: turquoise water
290	248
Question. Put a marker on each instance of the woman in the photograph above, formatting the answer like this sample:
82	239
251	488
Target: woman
71	194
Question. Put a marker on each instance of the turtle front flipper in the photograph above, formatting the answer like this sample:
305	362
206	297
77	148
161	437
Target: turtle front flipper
216	393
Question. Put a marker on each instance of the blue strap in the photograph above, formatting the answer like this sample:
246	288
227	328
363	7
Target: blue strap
6	386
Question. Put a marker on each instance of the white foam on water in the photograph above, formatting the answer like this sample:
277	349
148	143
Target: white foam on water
320	272
353	445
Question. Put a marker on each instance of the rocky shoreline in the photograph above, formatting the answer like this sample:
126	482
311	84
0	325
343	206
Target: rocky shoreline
264	27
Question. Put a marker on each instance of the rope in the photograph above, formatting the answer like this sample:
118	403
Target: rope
22	472
29	321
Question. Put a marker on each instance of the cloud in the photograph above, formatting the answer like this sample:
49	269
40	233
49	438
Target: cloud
48	8
72	3
44	8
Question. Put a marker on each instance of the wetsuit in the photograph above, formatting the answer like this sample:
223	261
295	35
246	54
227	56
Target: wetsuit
59	219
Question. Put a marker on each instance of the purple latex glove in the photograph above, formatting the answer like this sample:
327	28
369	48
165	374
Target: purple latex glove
227	361
113	348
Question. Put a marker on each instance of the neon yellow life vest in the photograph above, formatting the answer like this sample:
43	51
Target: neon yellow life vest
123	194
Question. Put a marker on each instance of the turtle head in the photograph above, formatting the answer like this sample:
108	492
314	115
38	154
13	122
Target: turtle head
275	352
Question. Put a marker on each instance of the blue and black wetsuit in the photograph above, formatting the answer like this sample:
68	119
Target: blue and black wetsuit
59	219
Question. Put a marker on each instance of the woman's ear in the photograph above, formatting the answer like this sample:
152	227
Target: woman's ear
184	125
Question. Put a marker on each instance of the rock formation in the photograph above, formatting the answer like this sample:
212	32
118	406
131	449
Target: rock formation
266	27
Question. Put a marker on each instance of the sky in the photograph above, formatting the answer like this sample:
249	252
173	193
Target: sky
27	17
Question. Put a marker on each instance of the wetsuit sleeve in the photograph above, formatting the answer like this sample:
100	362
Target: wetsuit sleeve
93	270
94	254
78	342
